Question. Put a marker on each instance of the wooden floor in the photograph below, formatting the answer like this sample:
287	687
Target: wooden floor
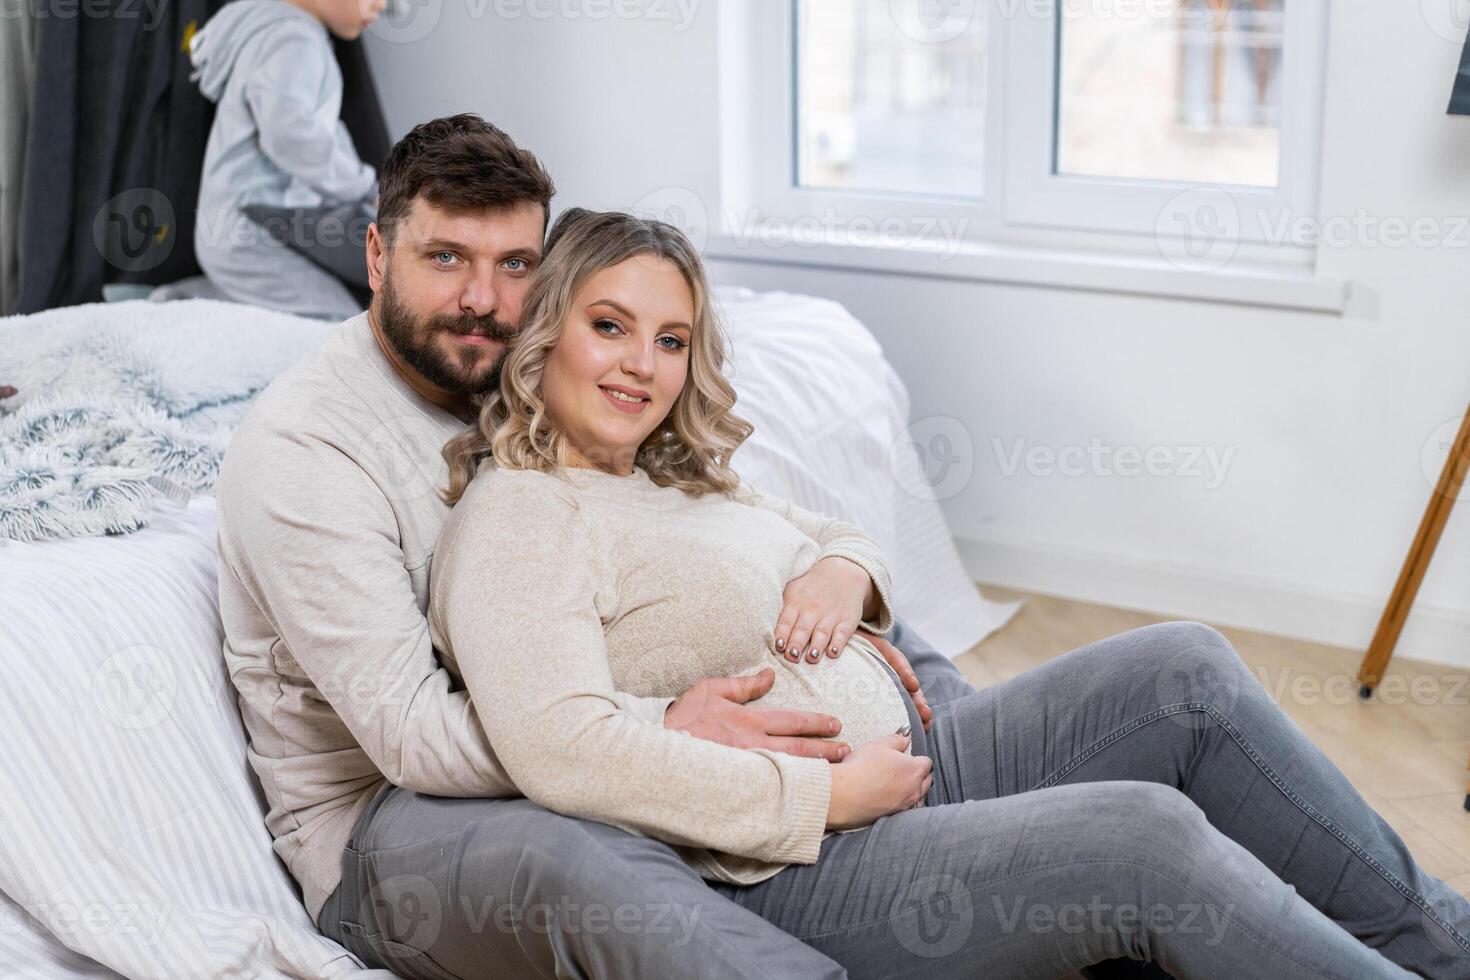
1405	751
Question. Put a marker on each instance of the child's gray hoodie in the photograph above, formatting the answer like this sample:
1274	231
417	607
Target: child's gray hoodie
277	139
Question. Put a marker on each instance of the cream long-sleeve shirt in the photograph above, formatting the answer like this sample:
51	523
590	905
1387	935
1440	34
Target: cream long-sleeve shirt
329	510
554	595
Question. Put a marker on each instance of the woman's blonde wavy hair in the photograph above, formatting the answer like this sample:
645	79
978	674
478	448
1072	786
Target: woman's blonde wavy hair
692	446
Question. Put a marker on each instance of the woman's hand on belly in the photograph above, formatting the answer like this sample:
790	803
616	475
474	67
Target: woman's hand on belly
822	609
878	779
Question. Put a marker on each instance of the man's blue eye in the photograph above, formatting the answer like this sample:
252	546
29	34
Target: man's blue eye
446	256
518	263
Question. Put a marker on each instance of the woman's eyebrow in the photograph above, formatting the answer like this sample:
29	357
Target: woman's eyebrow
629	314
615	305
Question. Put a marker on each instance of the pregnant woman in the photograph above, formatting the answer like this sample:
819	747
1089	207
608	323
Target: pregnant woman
1140	798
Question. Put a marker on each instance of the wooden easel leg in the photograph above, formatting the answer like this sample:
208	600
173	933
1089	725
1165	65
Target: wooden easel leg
1401	600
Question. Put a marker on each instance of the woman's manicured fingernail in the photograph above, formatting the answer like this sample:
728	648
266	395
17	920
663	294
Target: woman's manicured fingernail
813	657
904	730
780	643
833	651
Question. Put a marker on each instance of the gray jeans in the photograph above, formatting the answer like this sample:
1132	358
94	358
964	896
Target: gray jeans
1141	797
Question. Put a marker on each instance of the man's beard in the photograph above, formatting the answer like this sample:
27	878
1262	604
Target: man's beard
415	341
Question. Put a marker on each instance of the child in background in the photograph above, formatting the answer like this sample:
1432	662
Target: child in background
276	140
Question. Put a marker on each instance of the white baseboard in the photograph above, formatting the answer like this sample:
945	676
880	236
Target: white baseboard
1432	634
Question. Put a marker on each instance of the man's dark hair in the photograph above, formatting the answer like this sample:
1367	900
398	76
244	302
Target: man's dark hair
461	164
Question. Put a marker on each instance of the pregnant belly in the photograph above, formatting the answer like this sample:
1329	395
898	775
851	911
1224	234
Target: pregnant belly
857	688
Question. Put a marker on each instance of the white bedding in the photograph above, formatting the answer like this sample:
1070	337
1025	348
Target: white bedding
831	423
134	839
133	830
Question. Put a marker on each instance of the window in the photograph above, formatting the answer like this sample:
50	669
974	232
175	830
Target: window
884	105
1191	93
1109	123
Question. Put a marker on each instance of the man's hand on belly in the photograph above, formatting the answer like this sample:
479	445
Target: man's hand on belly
900	665
715	709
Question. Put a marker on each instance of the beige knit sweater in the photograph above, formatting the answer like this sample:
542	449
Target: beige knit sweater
554	597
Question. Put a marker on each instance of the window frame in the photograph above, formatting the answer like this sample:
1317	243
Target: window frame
1037	196
765	201
1023	204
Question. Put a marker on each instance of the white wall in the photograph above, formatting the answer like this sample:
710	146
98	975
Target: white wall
1326	417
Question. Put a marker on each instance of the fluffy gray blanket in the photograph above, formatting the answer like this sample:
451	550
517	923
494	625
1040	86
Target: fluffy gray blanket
121	403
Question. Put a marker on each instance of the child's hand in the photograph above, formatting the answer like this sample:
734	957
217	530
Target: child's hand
822	609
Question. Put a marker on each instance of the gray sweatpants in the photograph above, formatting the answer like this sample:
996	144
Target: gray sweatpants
1141	797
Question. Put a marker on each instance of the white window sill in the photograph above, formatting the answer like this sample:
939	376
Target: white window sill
1264	284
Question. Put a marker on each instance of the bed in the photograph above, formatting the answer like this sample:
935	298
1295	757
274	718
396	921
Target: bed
135	842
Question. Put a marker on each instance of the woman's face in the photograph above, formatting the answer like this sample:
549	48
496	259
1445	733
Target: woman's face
621	361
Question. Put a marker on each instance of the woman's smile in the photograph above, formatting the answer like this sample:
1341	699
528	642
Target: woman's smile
630	400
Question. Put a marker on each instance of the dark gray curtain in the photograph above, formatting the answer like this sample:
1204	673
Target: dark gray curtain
1460	94
361	110
116	144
